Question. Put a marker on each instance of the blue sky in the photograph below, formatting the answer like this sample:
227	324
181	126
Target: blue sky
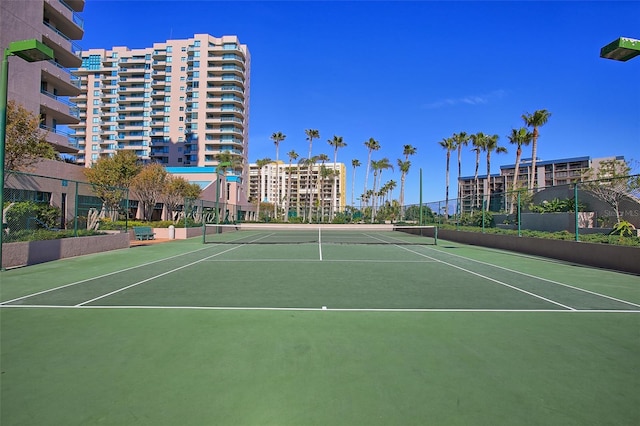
412	72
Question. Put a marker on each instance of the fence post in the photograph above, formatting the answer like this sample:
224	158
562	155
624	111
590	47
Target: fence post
75	212
575	202
519	217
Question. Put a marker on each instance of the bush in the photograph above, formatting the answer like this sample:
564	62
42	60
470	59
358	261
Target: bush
26	215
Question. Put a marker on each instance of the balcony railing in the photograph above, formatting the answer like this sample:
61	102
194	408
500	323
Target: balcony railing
77	19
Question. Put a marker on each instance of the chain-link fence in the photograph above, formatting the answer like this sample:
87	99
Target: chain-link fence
39	207
604	206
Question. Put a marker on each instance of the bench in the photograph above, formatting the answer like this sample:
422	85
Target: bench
144	233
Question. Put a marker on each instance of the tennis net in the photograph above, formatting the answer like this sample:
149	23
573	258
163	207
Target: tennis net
249	233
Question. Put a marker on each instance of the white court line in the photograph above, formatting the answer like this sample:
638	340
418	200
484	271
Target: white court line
487	278
105	275
167	273
254	308
154	277
541	278
320	243
101	276
324	260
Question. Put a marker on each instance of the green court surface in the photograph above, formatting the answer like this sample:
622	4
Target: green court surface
314	334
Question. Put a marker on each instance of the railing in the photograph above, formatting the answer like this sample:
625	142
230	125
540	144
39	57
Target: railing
77	19
75	48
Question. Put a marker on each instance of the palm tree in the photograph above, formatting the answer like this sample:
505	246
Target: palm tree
323	158
406	151
354	163
311	135
336	143
478	140
535	120
227	161
372	145
378	167
491	146
292	157
391	185
518	137
260	163
449	144
277	137
461	139
404	169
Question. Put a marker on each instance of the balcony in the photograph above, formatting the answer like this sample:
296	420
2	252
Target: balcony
66	51
65	17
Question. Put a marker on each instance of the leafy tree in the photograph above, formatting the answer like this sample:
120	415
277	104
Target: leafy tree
25	143
612	183
111	178
536	120
149	185
174	192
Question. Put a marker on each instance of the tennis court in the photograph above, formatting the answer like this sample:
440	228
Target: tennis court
261	326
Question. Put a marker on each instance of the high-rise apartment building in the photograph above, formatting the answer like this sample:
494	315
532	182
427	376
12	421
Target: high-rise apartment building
180	103
294	188
548	173
45	88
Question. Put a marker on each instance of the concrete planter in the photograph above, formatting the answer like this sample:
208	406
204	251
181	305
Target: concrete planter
619	258
25	253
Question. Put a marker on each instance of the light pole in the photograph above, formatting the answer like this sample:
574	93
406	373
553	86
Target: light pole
31	51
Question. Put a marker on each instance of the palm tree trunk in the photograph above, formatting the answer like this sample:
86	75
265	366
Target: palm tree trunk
446	199
534	152
515	180
488	180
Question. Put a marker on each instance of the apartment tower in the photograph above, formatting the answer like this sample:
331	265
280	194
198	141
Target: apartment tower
45	88
180	103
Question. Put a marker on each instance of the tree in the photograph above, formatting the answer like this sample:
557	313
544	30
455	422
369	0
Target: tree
449	144
277	137
323	158
461	139
148	186
612	183
519	137
372	145
292	157
478	140
175	191
491	145
25	143
378	167
535	121
311	135
404	169
227	161
260	163
336	143
111	178
354	163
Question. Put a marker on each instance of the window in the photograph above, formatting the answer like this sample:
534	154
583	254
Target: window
96	119
181	119
196	43
95	129
169	49
96	84
96	101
